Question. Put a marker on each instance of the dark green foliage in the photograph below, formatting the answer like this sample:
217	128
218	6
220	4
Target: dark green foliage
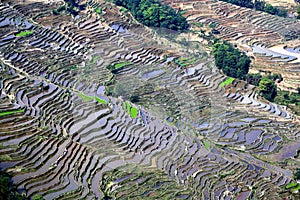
232	62
134	98
274	11
297	174
253	79
242	3
287	98
37	197
69	7
152	13
267	88
298	89
259	5
8	190
212	25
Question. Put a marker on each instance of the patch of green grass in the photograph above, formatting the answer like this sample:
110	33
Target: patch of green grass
100	100
291	185
91	98
118	66
11	112
183	62
5	158
132	111
98	10
123	9
226	82
73	67
85	97
24	33
206	144
198	24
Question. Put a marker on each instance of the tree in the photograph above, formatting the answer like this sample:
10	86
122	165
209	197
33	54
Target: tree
260	5
232	62
267	89
254	79
298	90
269	9
152	13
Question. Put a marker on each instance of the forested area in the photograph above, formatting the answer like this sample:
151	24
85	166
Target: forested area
259	5
153	14
233	62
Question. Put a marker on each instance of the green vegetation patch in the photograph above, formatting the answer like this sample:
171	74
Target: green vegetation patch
153	13
117	66
289	99
91	98
226	82
102	101
267	88
85	97
183	62
8	190
131	110
259	5
123	9
24	33
206	144
98	10
291	185
5	158
5	113
233	62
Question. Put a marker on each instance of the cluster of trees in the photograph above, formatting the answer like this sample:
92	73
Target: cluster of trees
267	88
152	13
233	62
70	6
254	79
266	84
259	5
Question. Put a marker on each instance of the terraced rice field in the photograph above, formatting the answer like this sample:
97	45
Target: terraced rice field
255	32
186	137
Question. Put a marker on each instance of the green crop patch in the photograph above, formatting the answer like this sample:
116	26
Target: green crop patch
131	110
118	66
5	113
102	101
91	98
85	97
226	82
183	62
24	33
98	10
206	144
291	185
